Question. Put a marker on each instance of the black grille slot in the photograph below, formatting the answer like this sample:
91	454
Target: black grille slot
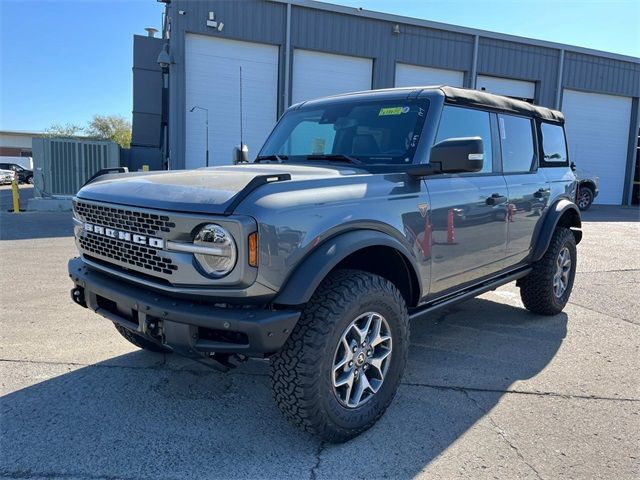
123	219
135	255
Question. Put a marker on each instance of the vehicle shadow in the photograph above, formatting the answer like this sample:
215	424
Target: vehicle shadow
172	418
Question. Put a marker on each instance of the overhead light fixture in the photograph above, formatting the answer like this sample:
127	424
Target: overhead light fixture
396	29
164	58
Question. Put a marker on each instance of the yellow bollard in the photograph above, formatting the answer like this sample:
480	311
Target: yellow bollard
16	196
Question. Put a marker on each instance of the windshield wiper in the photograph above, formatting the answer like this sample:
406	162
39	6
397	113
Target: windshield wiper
338	157
277	158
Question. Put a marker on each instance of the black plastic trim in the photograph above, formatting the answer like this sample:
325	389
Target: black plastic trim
267	330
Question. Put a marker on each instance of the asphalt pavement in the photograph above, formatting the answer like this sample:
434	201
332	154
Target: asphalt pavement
491	390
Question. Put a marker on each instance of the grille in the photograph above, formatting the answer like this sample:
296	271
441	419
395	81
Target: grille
135	255
122	219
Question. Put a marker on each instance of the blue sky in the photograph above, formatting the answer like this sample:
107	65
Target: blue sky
64	61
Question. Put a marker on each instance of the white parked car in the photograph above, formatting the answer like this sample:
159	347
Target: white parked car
587	188
6	176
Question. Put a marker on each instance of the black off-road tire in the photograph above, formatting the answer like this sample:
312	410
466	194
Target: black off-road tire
301	371
140	341
536	289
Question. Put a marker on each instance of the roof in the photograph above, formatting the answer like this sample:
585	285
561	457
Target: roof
459	96
21	132
465	96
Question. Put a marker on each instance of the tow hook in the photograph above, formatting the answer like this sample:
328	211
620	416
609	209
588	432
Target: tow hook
222	361
77	295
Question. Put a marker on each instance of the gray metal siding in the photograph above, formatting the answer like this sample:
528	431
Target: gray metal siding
521	62
147	91
599	74
252	21
362	37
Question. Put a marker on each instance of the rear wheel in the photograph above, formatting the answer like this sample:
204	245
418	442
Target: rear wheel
547	288
585	197
342	364
139	341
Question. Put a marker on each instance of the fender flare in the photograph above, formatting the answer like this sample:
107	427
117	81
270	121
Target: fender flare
308	275
542	235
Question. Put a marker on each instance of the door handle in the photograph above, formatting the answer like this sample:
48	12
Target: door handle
495	199
540	193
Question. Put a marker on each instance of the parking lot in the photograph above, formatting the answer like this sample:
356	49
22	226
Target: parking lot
491	390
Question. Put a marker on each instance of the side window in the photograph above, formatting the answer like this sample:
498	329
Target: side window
554	145
516	141
457	122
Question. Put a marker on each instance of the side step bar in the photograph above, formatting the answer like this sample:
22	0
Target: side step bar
467	293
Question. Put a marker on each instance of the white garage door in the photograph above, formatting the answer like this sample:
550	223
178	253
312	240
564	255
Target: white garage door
507	87
413	75
317	74
597	128
212	69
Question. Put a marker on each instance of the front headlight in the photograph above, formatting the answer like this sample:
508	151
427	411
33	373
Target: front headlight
221	253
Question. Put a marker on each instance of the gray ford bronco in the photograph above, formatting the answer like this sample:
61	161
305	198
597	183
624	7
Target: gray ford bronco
361	212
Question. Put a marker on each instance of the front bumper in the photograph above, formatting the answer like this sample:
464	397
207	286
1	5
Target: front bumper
187	327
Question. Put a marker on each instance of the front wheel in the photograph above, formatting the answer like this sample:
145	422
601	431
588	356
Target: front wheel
341	367
547	288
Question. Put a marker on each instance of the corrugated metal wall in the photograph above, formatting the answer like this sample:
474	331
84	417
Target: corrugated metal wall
346	32
63	165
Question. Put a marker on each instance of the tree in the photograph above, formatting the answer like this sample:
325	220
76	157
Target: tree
111	127
66	130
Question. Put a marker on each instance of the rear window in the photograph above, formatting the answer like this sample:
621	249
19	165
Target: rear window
554	145
516	142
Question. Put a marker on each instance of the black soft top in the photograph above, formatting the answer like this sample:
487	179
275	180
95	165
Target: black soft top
476	98
453	95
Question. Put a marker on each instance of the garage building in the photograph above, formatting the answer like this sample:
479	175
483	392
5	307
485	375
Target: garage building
293	50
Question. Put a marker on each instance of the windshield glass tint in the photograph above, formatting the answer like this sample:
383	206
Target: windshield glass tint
372	132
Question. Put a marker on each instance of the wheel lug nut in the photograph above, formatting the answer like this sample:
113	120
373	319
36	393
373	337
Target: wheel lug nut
355	349
351	364
364	344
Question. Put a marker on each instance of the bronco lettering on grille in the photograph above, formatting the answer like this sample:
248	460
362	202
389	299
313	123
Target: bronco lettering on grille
124	236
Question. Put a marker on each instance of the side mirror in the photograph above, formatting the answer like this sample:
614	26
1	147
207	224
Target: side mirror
456	155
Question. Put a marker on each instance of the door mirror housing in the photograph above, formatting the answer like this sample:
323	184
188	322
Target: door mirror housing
458	155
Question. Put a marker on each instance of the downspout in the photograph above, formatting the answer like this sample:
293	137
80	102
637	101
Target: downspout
474	62
287	58
559	82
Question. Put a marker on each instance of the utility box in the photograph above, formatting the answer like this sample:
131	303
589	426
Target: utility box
63	165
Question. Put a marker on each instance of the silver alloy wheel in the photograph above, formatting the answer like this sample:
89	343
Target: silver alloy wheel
361	359
561	277
584	198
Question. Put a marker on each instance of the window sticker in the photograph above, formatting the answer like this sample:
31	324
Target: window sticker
392	111
317	148
503	131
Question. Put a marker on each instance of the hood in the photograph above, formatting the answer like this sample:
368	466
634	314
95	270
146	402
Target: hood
205	190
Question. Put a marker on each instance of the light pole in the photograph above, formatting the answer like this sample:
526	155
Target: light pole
206	123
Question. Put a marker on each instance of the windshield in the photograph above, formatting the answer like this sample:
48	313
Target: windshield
374	132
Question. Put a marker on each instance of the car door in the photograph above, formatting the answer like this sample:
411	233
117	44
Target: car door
527	186
468	210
